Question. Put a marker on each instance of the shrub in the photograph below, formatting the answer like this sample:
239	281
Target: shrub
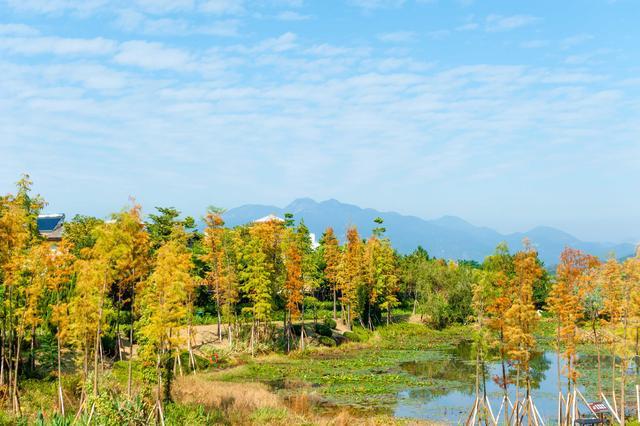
190	414
352	336
330	322
269	415
327	341
295	329
323	330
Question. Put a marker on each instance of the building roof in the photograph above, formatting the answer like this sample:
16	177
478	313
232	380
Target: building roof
269	218
51	226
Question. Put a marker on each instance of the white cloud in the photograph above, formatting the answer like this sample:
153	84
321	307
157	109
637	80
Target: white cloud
222	7
164	6
18	30
438	34
534	44
588	57
152	56
575	40
468	27
377	4
133	21
286	41
83	7
398	37
289	15
90	76
496	23
57	45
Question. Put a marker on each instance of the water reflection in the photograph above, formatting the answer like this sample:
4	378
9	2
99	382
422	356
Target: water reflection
452	384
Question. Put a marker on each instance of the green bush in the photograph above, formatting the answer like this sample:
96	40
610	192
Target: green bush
295	329
330	322
187	415
269	415
352	336
323	330
327	341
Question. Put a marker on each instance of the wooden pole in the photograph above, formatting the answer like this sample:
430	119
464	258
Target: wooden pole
638	400
488	405
613	412
500	410
560	399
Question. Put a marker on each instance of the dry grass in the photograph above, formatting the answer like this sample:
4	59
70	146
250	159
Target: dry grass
238	397
254	404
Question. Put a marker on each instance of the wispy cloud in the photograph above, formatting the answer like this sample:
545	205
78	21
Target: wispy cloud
290	15
534	44
495	23
398	37
575	40
377	4
18	30
152	56
57	6
133	21
332	106
57	45
223	7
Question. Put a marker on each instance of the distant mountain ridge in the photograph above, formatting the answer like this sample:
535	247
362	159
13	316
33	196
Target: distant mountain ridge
448	237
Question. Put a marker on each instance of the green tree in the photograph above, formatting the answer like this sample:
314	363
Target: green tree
332	256
163	308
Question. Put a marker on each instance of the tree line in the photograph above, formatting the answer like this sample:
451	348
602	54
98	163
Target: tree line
132	288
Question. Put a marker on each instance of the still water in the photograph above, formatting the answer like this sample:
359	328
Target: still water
453	374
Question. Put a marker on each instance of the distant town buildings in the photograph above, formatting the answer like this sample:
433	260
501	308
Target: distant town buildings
51	226
272	217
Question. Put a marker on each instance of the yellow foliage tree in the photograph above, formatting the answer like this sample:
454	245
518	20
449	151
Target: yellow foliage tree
351	274
163	308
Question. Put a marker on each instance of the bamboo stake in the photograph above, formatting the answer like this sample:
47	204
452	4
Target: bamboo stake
472	412
475	411
614	413
638	400
586	402
539	416
500	410
566	407
532	412
488	405
560	399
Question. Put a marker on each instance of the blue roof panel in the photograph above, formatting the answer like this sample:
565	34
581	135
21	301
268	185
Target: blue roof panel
49	222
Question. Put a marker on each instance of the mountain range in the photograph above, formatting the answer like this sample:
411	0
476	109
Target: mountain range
448	237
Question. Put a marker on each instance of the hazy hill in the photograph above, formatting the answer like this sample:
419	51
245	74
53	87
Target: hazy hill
447	237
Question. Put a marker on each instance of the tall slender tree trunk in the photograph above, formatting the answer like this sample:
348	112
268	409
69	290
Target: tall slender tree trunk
623	370
130	360
2	360
335	296
98	347
219	308
302	330
60	393
287	329
32	350
118	338
596	340
613	379
517	401
10	339
16	399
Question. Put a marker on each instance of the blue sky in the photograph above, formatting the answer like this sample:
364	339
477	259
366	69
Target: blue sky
510	114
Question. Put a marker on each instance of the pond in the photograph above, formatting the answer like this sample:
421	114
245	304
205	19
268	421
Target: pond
453	394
